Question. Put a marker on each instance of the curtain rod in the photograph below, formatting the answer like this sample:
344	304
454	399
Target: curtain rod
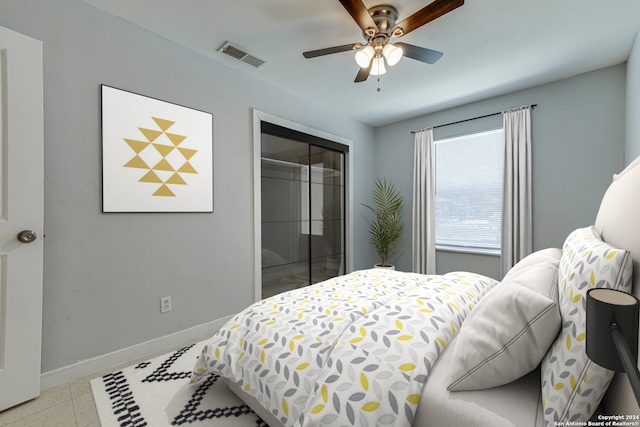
474	118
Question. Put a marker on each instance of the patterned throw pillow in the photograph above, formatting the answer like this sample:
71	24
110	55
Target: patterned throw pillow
573	385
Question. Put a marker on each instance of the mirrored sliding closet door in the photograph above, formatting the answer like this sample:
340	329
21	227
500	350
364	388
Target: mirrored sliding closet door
303	209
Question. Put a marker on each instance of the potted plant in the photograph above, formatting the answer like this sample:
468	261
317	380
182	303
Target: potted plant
386	226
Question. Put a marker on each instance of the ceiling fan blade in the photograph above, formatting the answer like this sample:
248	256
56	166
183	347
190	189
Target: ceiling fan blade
330	50
419	53
360	14
426	14
363	74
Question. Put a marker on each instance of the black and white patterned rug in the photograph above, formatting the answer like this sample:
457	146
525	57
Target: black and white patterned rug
157	393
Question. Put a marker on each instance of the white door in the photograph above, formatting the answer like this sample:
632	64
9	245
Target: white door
21	209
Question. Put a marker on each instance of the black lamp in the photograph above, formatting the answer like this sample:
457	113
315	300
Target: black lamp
612	321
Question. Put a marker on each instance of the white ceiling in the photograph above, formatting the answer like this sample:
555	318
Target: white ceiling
490	47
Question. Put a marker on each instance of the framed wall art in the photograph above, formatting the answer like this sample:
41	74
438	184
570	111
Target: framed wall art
156	156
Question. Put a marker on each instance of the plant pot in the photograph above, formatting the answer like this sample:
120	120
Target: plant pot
385	267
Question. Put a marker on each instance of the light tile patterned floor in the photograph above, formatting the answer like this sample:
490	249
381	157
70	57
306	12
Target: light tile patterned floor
68	405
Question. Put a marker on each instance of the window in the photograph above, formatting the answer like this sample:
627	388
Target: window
468	192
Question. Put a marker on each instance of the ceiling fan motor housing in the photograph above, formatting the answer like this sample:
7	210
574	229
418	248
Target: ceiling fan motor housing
385	16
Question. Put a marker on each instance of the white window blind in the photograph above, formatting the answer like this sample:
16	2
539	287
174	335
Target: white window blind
468	174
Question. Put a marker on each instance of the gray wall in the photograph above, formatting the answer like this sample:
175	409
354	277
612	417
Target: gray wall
578	143
632	125
105	273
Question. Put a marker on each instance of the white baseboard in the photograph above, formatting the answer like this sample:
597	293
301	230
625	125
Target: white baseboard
111	360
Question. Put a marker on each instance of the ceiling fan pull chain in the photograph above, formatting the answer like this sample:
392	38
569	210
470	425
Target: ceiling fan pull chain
378	84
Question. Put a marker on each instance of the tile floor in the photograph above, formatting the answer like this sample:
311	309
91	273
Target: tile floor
68	405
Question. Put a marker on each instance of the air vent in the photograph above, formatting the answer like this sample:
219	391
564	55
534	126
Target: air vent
237	53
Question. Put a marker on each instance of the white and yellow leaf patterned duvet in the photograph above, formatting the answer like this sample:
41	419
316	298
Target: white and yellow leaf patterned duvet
353	350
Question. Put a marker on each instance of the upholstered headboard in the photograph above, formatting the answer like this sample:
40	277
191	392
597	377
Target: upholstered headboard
618	222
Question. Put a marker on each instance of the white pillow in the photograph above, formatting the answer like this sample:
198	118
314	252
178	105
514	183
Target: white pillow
573	385
522	275
510	330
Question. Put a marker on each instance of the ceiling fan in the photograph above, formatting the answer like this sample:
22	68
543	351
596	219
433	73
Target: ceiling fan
379	25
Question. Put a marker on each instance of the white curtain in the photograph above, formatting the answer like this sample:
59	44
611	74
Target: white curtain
516	188
423	241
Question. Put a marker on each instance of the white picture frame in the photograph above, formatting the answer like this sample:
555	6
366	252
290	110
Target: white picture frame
156	156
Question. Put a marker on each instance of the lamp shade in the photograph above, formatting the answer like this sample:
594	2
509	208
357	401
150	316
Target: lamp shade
392	53
377	66
609	309
364	55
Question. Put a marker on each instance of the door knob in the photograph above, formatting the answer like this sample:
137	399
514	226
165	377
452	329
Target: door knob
27	236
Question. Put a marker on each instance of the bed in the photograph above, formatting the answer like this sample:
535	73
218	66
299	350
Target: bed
382	347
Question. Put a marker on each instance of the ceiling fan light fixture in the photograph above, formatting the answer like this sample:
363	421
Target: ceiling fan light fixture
377	66
379	25
392	53
364	55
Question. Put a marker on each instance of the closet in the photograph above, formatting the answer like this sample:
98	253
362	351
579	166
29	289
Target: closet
303	209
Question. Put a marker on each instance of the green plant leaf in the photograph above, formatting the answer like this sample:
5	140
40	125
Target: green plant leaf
386	226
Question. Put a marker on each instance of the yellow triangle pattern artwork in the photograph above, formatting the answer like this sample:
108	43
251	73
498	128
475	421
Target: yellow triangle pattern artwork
150	134
162	123
151	177
187	152
176	139
163	149
163	165
187	168
164	191
137	162
176	179
136	146
153	139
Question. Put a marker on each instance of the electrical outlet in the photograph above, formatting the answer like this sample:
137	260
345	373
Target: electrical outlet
165	304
